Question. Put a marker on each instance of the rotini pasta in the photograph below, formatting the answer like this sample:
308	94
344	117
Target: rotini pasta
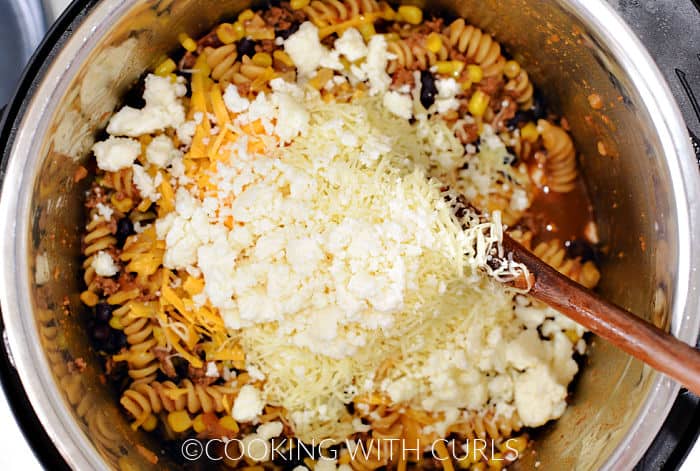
412	55
180	275
560	168
475	46
324	13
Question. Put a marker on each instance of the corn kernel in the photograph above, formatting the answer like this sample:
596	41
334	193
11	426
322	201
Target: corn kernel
187	42
165	68
529	132
572	335
179	421
387	12
367	30
115	323
122	205
511	69
391	37
453	68
496	462
150	423
261	34
464	462
478	103
299	4
228	423
263	59
198	424
246	15
476	73
434	42
410	14
239	29
283	57
322	77
518	444
466	85
228	33
89	298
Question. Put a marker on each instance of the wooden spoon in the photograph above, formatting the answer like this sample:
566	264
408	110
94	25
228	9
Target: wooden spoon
632	334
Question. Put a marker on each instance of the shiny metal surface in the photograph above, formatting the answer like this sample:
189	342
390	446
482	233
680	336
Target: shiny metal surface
22	26
646	190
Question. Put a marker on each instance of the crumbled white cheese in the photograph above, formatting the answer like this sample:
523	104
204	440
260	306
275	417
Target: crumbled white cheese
185	132
161	151
375	66
234	101
539	398
270	430
104	265
212	370
399	104
163	109
256	448
324	463
248	404
305	49
292	119
351	45
116	153
104	211
447	89
147	185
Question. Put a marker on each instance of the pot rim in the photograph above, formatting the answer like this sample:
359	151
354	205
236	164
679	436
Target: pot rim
42	91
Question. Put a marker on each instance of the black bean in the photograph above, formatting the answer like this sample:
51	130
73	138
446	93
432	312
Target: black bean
100	333
521	117
246	47
285	33
428	89
579	248
181	366
124	229
118	339
119	375
539	105
134	97
103	312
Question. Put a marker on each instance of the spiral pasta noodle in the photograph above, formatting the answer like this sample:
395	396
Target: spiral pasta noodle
148	399
553	253
412	55
560	168
325	13
476	46
521	89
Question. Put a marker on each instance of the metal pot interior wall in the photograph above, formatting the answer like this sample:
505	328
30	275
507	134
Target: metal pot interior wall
630	186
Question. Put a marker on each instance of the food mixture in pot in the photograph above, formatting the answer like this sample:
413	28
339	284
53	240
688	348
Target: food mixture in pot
276	252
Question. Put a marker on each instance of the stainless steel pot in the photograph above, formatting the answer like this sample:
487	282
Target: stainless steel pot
635	155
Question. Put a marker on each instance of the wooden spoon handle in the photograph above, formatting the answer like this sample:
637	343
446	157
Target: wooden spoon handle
632	334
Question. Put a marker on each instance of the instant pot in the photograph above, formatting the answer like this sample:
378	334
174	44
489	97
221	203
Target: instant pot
645	188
